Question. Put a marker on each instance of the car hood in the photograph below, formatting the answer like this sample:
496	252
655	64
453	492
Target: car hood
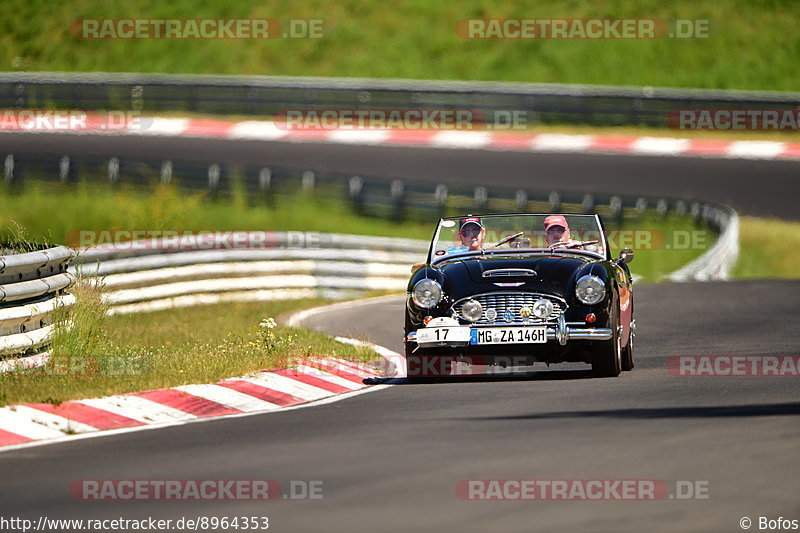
548	273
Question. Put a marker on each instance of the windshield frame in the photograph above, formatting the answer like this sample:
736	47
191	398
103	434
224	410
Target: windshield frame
432	259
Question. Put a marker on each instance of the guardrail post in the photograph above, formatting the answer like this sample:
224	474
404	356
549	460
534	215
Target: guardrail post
307	181
398	200
166	172
641	206
555	201
137	98
615	204
213	179
695	211
481	198
662	207
356	188
66	170
521	199
10	171
587	205
441	198
20	93
680	207
705	213
264	180
113	171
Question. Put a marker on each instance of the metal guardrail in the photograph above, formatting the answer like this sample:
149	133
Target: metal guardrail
719	260
32	289
267	96
142	276
330	265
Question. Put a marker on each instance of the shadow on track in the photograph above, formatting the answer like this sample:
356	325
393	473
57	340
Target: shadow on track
727	411
545	375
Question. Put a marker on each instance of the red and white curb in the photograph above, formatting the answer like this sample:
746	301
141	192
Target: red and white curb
470	140
314	381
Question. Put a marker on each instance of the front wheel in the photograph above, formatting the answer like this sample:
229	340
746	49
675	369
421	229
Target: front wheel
607	355
627	354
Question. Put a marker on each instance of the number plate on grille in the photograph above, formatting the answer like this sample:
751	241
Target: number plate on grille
520	335
443	335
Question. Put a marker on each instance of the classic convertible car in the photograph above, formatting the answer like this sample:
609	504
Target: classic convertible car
511	290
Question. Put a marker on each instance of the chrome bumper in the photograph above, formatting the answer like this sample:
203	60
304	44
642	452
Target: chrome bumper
583	334
561	332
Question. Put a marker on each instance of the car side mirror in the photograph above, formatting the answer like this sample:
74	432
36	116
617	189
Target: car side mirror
626	255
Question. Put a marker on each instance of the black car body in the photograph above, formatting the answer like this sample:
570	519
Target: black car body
512	283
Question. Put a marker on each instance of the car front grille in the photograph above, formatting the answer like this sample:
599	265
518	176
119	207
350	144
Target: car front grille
502	302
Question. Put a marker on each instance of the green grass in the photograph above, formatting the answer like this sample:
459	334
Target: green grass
103	355
770	248
89	207
661	245
754	44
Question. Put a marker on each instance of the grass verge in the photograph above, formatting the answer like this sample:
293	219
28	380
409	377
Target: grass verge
418	39
103	355
87	206
770	248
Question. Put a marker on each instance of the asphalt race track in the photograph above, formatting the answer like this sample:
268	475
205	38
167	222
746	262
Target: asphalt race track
390	460
754	187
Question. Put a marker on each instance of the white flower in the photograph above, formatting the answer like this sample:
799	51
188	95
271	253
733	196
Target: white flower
267	323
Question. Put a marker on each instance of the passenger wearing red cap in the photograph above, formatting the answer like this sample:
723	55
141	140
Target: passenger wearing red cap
556	231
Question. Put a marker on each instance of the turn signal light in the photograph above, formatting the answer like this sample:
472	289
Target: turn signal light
427	319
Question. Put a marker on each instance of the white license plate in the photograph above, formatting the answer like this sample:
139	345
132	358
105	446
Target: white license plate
448	334
520	335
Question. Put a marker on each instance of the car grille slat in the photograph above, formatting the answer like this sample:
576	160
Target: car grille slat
502	302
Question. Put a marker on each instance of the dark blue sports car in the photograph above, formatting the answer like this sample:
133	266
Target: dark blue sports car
511	290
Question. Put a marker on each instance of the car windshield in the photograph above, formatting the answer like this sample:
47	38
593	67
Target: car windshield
460	235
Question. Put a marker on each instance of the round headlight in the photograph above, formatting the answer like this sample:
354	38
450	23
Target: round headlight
590	290
472	310
427	293
542	308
